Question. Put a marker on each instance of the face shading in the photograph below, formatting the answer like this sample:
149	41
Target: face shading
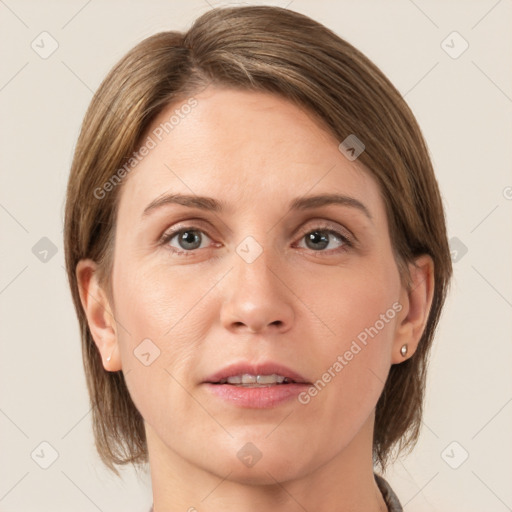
245	237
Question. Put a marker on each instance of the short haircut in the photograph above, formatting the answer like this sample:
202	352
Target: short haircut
279	51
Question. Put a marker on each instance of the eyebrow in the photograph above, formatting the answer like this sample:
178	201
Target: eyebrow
211	204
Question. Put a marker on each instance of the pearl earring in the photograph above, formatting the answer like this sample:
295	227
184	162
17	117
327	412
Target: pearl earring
403	350
109	357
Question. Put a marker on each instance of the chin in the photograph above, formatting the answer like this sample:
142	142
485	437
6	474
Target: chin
251	466
263	474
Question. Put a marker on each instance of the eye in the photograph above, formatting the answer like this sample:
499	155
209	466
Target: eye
187	239
190	238
320	238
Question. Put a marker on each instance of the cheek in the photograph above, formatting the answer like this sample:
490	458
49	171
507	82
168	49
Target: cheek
355	300
176	311
159	303
161	322
360	309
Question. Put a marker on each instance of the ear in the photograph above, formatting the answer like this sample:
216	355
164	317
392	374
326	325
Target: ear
99	314
416	302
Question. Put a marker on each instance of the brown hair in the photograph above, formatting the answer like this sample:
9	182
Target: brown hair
276	50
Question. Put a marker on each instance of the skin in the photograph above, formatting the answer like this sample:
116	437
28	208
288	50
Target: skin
299	304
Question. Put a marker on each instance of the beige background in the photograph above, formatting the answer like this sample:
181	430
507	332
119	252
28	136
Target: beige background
464	107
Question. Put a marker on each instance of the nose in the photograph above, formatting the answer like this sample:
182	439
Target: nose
257	297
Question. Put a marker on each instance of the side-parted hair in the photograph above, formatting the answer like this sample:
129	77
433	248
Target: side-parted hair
265	49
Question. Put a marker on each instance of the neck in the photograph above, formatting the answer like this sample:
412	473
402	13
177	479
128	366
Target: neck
344	483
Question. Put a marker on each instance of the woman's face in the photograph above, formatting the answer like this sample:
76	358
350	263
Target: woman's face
312	290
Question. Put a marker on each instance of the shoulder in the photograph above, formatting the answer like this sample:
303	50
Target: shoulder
388	494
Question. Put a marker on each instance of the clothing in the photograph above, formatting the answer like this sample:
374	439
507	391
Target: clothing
388	494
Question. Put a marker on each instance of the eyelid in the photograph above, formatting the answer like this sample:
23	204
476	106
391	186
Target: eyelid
196	224
320	224
170	233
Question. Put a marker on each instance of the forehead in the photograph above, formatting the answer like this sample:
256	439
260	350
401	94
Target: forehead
243	147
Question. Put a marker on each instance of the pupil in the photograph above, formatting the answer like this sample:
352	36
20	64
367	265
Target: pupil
316	237
314	240
188	237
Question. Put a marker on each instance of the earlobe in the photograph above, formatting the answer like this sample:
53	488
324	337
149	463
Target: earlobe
416	301
99	314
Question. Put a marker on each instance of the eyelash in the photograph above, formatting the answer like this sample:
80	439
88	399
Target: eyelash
347	242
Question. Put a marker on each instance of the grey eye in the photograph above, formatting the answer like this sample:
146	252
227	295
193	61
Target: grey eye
187	239
320	238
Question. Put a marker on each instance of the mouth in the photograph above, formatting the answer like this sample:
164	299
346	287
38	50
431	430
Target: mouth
262	386
248	380
256	375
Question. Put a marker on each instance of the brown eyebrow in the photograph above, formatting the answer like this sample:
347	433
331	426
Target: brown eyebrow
201	202
304	203
211	204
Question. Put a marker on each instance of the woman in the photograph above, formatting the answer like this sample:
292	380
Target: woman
257	252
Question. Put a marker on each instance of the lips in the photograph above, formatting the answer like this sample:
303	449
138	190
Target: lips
268	368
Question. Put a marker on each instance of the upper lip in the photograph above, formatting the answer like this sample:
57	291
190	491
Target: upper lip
267	368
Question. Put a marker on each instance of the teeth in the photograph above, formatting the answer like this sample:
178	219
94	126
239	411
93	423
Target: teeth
255	380
248	379
270	379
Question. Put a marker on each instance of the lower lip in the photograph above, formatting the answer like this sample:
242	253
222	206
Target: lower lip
257	398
